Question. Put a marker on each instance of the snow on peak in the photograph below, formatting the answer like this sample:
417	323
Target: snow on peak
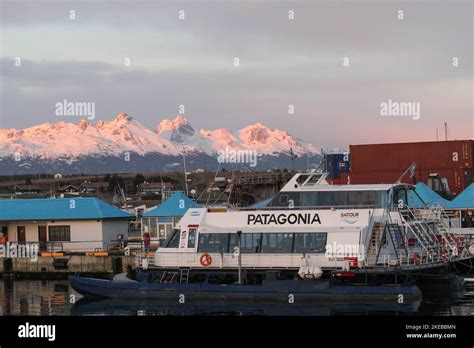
106	138
125	134
83	124
178	130
168	125
255	133
123	117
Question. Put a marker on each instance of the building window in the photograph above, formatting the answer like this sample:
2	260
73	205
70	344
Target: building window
153	232
310	242
467	219
59	233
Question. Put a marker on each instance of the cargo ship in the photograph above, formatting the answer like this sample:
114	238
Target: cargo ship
309	235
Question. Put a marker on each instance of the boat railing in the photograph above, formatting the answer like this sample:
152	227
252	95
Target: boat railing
450	234
422	226
437	240
422	260
419	227
144	258
312	207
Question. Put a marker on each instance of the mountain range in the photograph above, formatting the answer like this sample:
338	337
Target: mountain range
124	144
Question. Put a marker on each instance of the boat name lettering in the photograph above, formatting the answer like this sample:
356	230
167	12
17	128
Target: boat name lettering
350	214
280	219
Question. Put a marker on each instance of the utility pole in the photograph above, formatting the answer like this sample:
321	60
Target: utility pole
239	242
445	131
185	172
293	156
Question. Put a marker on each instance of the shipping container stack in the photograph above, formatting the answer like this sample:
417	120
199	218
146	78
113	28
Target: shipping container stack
334	164
385	163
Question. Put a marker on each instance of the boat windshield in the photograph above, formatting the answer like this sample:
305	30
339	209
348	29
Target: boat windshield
330	199
173	239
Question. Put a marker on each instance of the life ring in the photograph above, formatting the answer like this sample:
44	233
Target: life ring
206	260
416	259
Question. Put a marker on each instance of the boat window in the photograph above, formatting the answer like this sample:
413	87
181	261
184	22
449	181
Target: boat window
192	238
250	243
309	199
283	199
400	195
213	242
277	242
173	240
342	198
314	179
310	242
302	178
360	198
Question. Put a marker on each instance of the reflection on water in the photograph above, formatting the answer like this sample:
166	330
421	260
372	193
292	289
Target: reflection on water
54	297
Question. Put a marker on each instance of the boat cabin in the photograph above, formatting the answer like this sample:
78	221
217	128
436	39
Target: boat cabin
310	190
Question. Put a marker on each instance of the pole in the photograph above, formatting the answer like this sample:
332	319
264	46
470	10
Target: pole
185	172
446	131
239	238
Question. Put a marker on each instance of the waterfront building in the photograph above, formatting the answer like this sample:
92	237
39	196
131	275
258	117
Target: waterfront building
63	224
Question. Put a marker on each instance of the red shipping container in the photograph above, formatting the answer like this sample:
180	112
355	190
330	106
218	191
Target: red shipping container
433	156
458	179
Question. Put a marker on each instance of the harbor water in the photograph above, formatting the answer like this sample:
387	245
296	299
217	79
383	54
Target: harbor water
56	298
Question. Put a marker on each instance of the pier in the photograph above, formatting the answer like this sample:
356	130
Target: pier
60	265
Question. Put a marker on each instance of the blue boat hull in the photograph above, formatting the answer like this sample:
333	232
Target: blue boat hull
272	290
152	307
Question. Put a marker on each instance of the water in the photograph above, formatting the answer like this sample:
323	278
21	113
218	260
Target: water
55	297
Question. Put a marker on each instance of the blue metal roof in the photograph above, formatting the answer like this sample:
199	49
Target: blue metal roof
176	205
58	209
465	200
429	196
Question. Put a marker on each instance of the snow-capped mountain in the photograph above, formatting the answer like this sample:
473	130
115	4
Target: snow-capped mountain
66	140
264	140
84	145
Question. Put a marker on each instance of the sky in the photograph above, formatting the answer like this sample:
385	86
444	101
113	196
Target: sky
283	61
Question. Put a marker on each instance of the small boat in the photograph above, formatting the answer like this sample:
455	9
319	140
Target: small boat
287	290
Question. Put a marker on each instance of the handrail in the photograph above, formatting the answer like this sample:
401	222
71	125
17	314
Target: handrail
312	207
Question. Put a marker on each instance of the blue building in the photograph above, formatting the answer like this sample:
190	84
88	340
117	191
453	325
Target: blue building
462	210
69	224
160	221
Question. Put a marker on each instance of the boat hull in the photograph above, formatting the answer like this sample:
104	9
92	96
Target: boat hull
273	291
